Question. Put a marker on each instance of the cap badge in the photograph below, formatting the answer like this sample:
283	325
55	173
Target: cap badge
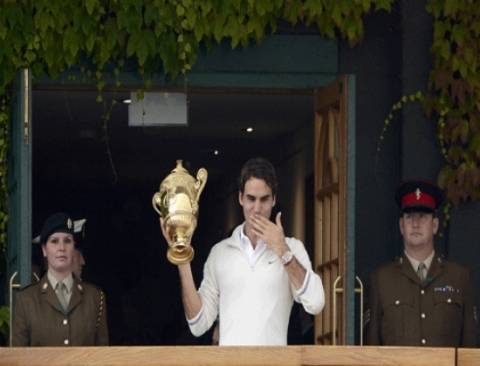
418	193
69	223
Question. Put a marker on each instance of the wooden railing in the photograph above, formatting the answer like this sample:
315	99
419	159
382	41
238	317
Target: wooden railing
468	357
238	356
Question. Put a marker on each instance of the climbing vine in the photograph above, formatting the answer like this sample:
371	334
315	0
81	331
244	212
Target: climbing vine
454	97
51	36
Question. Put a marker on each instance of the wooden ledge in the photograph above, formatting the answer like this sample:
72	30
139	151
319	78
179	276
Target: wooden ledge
228	356
468	357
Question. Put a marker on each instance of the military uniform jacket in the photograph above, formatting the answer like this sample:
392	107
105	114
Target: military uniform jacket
39	319
405	312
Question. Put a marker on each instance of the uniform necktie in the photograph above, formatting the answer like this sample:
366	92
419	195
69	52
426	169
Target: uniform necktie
61	292
421	271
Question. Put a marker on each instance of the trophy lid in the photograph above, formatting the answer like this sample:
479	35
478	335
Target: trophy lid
178	176
179	169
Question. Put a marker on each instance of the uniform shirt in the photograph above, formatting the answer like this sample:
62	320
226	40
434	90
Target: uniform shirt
415	263
406	312
68	281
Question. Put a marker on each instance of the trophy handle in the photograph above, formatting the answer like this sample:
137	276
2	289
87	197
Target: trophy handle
157	203
201	180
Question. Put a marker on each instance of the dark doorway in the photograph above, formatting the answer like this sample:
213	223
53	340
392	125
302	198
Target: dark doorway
109	176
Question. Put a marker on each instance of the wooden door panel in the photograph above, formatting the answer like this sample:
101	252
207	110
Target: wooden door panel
331	220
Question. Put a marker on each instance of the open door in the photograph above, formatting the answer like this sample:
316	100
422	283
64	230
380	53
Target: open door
19	247
334	209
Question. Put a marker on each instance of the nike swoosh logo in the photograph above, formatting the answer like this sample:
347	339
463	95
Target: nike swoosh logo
270	262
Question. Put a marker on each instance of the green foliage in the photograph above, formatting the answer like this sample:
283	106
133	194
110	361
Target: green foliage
51	36
4	320
418	96
4	137
157	33
454	97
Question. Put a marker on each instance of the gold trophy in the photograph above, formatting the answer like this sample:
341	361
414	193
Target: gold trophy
177	203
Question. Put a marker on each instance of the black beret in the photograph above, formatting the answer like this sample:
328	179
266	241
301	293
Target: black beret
57	223
418	195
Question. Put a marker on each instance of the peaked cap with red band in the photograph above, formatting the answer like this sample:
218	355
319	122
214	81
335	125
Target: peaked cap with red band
418	194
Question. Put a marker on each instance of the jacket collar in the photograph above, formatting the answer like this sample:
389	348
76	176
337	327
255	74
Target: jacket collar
50	296
434	271
234	240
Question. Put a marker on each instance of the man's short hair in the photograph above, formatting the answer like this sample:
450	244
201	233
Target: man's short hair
414	210
259	168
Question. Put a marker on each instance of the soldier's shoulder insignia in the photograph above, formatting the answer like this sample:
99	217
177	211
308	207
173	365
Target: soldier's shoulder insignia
88	284
27	286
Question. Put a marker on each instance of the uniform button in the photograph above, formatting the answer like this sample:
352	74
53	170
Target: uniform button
66	342
423	315
422	292
449	300
397	302
65	321
424	341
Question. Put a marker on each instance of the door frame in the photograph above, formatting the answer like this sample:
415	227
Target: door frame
335	208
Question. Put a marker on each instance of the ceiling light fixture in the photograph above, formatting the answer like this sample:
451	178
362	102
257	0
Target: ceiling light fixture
158	109
247	129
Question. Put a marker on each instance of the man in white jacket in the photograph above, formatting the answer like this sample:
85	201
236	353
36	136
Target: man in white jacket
252	278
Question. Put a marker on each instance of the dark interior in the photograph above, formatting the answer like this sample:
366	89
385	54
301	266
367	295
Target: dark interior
108	173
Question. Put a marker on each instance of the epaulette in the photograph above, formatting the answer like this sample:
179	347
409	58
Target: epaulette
441	260
92	285
27	286
398	261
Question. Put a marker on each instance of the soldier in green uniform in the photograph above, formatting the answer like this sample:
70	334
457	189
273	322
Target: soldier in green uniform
60	309
421	298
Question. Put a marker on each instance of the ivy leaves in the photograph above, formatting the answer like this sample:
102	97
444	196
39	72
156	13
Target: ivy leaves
159	34
49	36
455	95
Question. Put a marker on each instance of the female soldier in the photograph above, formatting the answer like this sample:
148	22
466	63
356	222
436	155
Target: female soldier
59	310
